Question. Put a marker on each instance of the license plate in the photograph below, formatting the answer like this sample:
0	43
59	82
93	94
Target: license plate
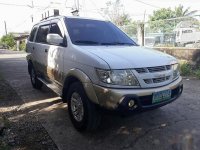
161	96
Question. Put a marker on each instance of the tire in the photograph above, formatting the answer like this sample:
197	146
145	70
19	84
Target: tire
88	116
37	84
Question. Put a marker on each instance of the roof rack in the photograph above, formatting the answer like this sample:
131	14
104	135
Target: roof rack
47	15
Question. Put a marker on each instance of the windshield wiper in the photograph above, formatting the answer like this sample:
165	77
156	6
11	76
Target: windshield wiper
117	43
87	42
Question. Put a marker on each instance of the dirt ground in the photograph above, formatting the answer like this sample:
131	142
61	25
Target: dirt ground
21	129
175	126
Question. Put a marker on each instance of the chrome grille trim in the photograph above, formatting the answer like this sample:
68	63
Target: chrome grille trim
156	80
141	70
156	69
148	81
153	69
168	67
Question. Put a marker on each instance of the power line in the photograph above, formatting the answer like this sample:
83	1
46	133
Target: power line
66	5
23	22
171	19
13	4
28	17
147	3
20	5
99	12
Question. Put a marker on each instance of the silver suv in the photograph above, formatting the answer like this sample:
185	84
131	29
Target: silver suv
92	64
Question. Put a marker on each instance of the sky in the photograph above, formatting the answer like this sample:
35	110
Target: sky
18	17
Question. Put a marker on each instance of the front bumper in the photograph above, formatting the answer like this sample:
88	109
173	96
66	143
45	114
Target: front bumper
119	98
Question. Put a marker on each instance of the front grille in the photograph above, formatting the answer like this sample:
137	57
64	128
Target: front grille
156	80
153	69
168	67
141	70
148	81
156	69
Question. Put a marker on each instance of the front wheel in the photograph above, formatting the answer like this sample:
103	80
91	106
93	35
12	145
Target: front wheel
83	113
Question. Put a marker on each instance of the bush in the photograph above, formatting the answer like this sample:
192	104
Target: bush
197	73
3	46
185	69
14	48
8	40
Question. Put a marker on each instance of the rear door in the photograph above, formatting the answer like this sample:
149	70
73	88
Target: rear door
41	48
30	43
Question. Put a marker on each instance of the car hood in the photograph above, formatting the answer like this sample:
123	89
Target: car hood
121	57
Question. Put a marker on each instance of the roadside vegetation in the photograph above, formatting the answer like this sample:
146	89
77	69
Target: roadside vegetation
187	69
8	42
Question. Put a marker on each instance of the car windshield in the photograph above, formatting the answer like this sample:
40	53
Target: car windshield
95	32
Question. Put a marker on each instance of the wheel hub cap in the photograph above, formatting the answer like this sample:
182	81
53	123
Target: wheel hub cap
77	107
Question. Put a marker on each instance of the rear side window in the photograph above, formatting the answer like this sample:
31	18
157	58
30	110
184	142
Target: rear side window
42	34
55	29
32	35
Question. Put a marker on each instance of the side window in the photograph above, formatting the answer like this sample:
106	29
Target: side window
55	29
42	34
32	35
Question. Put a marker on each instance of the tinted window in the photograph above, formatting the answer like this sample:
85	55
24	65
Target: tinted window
55	29
32	35
94	32
42	34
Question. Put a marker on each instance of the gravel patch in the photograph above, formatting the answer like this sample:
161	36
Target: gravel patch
19	129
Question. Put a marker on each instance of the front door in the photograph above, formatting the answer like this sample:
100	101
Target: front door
56	54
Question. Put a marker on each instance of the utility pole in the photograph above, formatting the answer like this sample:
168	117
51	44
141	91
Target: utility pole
32	6
5	27
140	31
144	16
75	12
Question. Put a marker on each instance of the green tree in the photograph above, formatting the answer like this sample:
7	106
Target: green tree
114	10
181	12
158	20
8	40
157	23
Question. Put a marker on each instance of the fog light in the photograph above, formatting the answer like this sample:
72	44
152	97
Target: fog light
131	103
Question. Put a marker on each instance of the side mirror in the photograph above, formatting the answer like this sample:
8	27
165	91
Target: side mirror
54	39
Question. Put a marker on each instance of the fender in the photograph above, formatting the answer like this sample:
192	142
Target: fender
76	74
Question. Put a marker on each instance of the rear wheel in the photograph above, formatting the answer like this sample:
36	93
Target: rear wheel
83	113
37	84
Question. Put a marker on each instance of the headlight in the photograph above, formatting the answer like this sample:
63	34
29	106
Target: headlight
118	77
176	71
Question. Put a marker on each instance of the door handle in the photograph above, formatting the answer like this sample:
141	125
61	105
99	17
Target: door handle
46	50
